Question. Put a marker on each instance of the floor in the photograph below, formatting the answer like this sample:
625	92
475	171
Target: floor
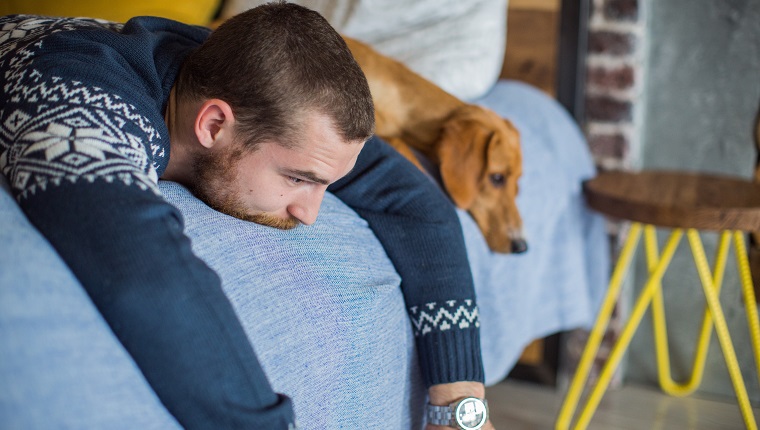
518	405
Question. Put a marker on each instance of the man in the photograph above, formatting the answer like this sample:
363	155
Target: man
258	119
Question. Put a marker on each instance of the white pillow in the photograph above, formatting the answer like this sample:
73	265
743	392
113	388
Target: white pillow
457	44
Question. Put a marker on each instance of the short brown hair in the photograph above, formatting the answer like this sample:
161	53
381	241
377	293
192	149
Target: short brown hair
275	63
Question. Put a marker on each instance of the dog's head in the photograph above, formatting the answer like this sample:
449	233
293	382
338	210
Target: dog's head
480	163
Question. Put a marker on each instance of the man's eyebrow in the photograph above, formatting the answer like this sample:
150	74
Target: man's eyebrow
310	176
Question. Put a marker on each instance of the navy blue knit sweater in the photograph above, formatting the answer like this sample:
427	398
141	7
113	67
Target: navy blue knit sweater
83	143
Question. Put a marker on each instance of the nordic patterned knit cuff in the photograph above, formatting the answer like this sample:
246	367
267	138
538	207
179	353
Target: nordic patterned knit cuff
448	341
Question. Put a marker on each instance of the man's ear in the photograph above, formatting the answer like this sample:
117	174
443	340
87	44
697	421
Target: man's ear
214	123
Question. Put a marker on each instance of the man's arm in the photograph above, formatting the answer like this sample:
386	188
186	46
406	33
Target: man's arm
420	231
127	248
78	158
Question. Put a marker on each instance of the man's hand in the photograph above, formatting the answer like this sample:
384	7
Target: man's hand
445	394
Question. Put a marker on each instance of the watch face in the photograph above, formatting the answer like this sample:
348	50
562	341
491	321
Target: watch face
471	413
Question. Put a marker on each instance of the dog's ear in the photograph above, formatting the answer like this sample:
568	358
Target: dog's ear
511	126
462	158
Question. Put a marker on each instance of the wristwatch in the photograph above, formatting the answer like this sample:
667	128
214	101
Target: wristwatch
469	413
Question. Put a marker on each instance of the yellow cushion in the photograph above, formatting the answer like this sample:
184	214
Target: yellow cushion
199	12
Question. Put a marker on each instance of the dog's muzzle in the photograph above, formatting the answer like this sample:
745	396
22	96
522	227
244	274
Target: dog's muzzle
518	246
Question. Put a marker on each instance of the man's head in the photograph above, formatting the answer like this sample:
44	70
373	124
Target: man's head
273	94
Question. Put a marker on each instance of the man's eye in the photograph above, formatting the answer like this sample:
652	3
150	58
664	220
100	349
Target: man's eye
295	180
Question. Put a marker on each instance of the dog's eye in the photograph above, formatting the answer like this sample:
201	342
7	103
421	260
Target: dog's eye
497	179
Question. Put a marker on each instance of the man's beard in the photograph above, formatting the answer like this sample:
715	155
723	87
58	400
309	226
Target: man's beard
263	219
215	170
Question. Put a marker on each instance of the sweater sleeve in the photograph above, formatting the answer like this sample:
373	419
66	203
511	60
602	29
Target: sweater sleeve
77	160
419	229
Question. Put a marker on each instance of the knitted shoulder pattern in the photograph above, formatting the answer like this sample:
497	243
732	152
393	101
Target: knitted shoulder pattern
54	128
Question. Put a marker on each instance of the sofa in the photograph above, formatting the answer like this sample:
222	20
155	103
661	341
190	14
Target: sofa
321	304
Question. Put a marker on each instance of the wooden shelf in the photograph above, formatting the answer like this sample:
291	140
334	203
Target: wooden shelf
532	42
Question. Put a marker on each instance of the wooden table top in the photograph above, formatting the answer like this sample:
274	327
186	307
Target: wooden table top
677	199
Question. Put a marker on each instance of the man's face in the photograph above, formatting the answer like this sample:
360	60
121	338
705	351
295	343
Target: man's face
274	185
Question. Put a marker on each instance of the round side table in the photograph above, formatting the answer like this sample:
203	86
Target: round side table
682	202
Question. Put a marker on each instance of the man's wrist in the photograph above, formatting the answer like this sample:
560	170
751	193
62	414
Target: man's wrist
453	393
445	394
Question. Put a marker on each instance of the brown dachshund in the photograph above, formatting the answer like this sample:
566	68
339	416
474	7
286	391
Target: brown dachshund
477	152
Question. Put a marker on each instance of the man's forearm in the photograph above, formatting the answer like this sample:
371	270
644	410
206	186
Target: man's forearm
419	229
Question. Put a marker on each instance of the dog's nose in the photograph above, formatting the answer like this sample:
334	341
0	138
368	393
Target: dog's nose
519	246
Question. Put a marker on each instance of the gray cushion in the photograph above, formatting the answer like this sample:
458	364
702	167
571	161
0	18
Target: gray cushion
323	309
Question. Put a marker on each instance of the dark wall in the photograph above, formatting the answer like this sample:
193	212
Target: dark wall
702	95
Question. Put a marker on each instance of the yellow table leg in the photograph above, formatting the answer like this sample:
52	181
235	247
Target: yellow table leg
721	328
652	293
630	328
667	383
750	302
597	332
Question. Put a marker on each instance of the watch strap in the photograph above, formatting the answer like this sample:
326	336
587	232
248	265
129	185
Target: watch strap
439	415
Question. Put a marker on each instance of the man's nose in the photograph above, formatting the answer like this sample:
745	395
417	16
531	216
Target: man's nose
306	208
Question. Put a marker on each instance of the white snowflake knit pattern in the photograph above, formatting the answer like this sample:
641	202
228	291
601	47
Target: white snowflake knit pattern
54	129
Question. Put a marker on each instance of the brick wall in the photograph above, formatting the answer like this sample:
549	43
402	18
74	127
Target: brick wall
614	100
615	81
